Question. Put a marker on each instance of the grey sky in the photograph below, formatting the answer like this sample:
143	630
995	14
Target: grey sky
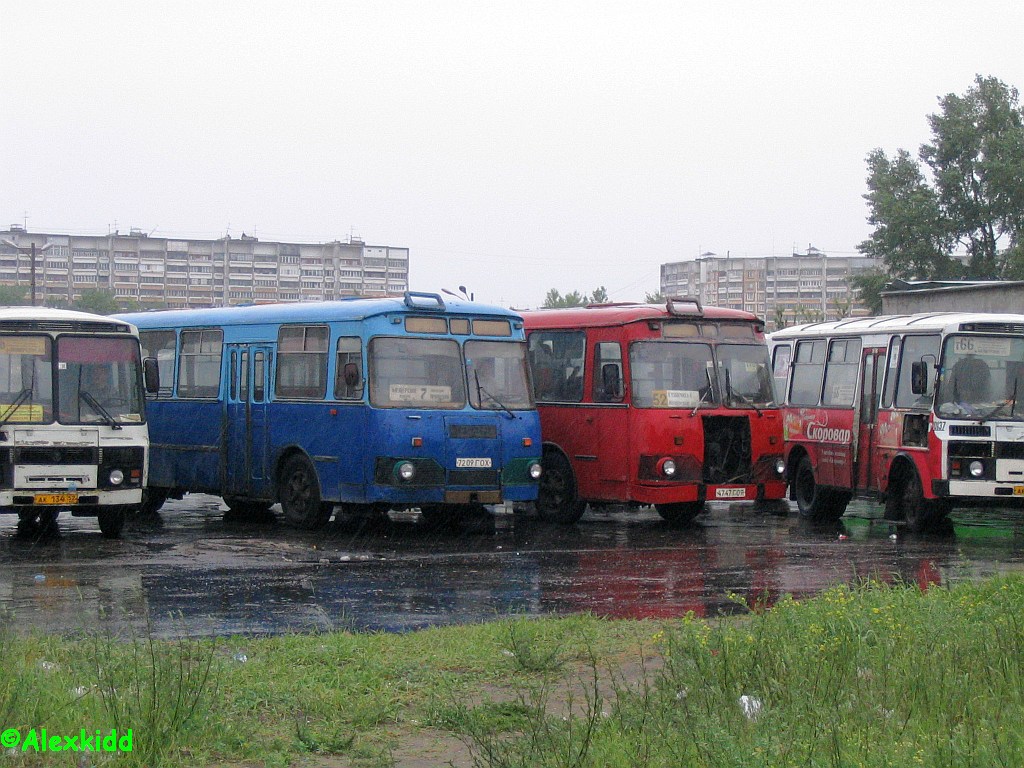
512	146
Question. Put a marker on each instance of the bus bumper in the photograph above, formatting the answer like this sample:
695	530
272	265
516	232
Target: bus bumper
969	490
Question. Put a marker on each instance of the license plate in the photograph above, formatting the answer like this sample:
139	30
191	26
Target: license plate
1018	490
56	498
473	463
730	493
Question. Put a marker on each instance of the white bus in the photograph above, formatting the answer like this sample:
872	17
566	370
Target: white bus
923	411
73	430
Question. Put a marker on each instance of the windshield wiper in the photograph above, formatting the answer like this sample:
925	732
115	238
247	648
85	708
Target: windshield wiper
1011	401
707	393
481	391
24	395
94	404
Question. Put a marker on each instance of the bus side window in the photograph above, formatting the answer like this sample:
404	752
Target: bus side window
891	369
841	372
199	372
915	348
780	370
557	359
808	366
302	362
162	345
607	372
348	372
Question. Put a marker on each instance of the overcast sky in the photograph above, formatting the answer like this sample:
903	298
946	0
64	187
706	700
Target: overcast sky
512	146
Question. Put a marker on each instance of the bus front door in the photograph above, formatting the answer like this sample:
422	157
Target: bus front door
872	368
244	450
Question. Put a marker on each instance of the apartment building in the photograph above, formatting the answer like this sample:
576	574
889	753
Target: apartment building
798	288
157	272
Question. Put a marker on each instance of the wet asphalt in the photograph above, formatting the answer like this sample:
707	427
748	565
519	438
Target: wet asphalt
191	571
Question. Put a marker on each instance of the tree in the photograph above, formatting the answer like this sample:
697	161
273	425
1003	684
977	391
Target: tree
13	295
869	285
973	203
96	300
554	299
780	318
654	298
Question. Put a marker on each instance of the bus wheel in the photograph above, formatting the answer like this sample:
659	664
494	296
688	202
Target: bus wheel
300	495
557	499
906	502
812	500
680	514
111	520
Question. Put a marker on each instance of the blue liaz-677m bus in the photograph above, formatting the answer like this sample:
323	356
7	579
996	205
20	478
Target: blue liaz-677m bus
363	404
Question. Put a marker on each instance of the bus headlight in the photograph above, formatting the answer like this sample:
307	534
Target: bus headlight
116	477
405	471
976	468
535	470
780	467
667	467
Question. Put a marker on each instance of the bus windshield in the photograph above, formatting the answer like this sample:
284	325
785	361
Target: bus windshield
26	387
670	374
982	377
416	373
498	377
98	380
745	375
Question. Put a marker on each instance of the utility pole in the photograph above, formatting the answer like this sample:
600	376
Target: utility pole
31	250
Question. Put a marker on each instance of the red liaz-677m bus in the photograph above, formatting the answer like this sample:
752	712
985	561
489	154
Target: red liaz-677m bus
922	411
641	404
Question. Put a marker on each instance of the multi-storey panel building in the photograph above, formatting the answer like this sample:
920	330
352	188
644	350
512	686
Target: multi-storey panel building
797	288
176	273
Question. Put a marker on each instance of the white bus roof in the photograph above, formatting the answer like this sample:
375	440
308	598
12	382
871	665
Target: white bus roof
923	321
61	319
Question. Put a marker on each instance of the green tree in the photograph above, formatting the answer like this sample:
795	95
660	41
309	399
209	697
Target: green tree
654	298
599	296
555	300
869	286
972	204
96	300
779	317
13	295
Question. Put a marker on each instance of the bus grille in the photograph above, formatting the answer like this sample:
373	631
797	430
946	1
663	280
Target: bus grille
1010	450
488	477
996	327
970	430
56	455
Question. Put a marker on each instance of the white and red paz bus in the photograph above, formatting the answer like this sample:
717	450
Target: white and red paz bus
666	405
924	412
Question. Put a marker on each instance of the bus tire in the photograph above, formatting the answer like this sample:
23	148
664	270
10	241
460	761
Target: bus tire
814	501
299	493
681	513
557	499
111	520
906	502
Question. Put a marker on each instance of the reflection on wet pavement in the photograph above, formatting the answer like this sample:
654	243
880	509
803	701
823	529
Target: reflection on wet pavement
190	571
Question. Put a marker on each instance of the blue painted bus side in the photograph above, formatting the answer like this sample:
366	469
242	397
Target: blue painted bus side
234	446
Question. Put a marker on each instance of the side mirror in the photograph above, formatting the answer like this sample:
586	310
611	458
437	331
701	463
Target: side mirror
919	377
610	380
151	375
351	374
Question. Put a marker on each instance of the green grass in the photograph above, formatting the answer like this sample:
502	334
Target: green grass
869	676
